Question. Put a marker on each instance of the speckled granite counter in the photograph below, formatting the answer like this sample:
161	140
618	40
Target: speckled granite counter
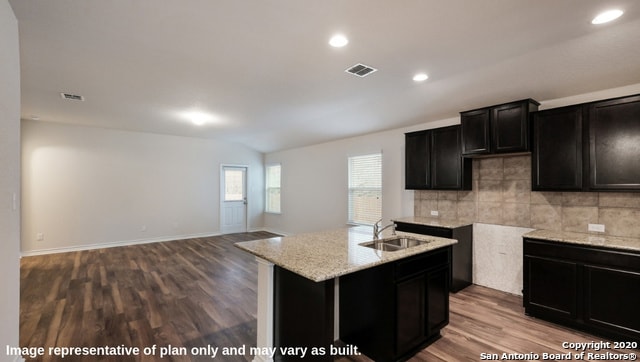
602	241
432	221
324	255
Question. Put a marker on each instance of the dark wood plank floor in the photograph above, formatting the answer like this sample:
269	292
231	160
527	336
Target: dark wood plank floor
191	293
199	292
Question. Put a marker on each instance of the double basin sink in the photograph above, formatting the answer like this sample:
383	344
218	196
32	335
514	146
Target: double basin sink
394	243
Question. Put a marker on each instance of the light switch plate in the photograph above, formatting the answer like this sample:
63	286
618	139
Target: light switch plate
596	227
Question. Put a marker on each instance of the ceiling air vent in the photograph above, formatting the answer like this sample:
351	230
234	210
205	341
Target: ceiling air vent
361	70
73	97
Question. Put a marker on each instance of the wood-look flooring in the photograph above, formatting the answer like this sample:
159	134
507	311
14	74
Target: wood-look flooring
200	292
194	292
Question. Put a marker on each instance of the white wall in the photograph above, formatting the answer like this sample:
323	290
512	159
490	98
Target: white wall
87	186
314	180
9	180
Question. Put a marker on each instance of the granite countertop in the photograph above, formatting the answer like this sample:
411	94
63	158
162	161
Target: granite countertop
433	221
325	255
602	241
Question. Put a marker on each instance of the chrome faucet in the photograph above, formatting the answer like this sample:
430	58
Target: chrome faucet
377	230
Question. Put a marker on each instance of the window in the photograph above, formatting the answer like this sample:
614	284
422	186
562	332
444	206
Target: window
365	189
233	184
272	202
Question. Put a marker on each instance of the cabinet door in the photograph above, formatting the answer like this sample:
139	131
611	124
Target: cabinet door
509	127
556	160
448	169
550	287
614	144
476	132
417	160
607	286
437	297
410	313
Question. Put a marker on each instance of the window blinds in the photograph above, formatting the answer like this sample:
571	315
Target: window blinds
365	189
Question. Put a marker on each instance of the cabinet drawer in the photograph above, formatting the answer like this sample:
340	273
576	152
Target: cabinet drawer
421	263
589	255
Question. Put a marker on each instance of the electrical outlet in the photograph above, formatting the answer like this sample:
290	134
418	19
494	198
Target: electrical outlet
434	213
39	236
596	227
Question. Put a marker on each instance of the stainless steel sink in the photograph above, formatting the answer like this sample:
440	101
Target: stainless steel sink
405	242
378	245
394	244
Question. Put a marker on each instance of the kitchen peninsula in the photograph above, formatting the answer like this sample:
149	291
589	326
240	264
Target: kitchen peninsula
305	280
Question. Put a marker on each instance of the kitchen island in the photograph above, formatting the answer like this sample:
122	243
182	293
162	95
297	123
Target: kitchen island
299	277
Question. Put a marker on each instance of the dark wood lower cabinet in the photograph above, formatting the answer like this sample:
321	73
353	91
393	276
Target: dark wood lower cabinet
437	300
410	294
396	309
552	286
612	298
462	252
588	288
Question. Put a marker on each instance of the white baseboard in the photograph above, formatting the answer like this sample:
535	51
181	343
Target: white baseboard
67	249
113	244
273	231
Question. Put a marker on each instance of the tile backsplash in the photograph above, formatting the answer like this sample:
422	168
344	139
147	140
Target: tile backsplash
502	195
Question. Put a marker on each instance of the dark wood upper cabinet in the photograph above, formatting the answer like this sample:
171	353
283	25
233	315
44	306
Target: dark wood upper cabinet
417	160
502	128
433	160
476	130
447	165
614	144
587	147
557	148
510	126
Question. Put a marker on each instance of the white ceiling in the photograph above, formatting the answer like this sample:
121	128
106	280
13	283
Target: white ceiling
264	67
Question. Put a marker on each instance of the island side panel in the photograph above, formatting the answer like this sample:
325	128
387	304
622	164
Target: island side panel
265	309
367	318
462	258
303	315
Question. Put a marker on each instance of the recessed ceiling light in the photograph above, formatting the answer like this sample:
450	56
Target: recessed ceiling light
338	41
607	16
420	77
197	117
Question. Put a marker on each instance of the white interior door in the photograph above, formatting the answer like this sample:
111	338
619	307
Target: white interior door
233	209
